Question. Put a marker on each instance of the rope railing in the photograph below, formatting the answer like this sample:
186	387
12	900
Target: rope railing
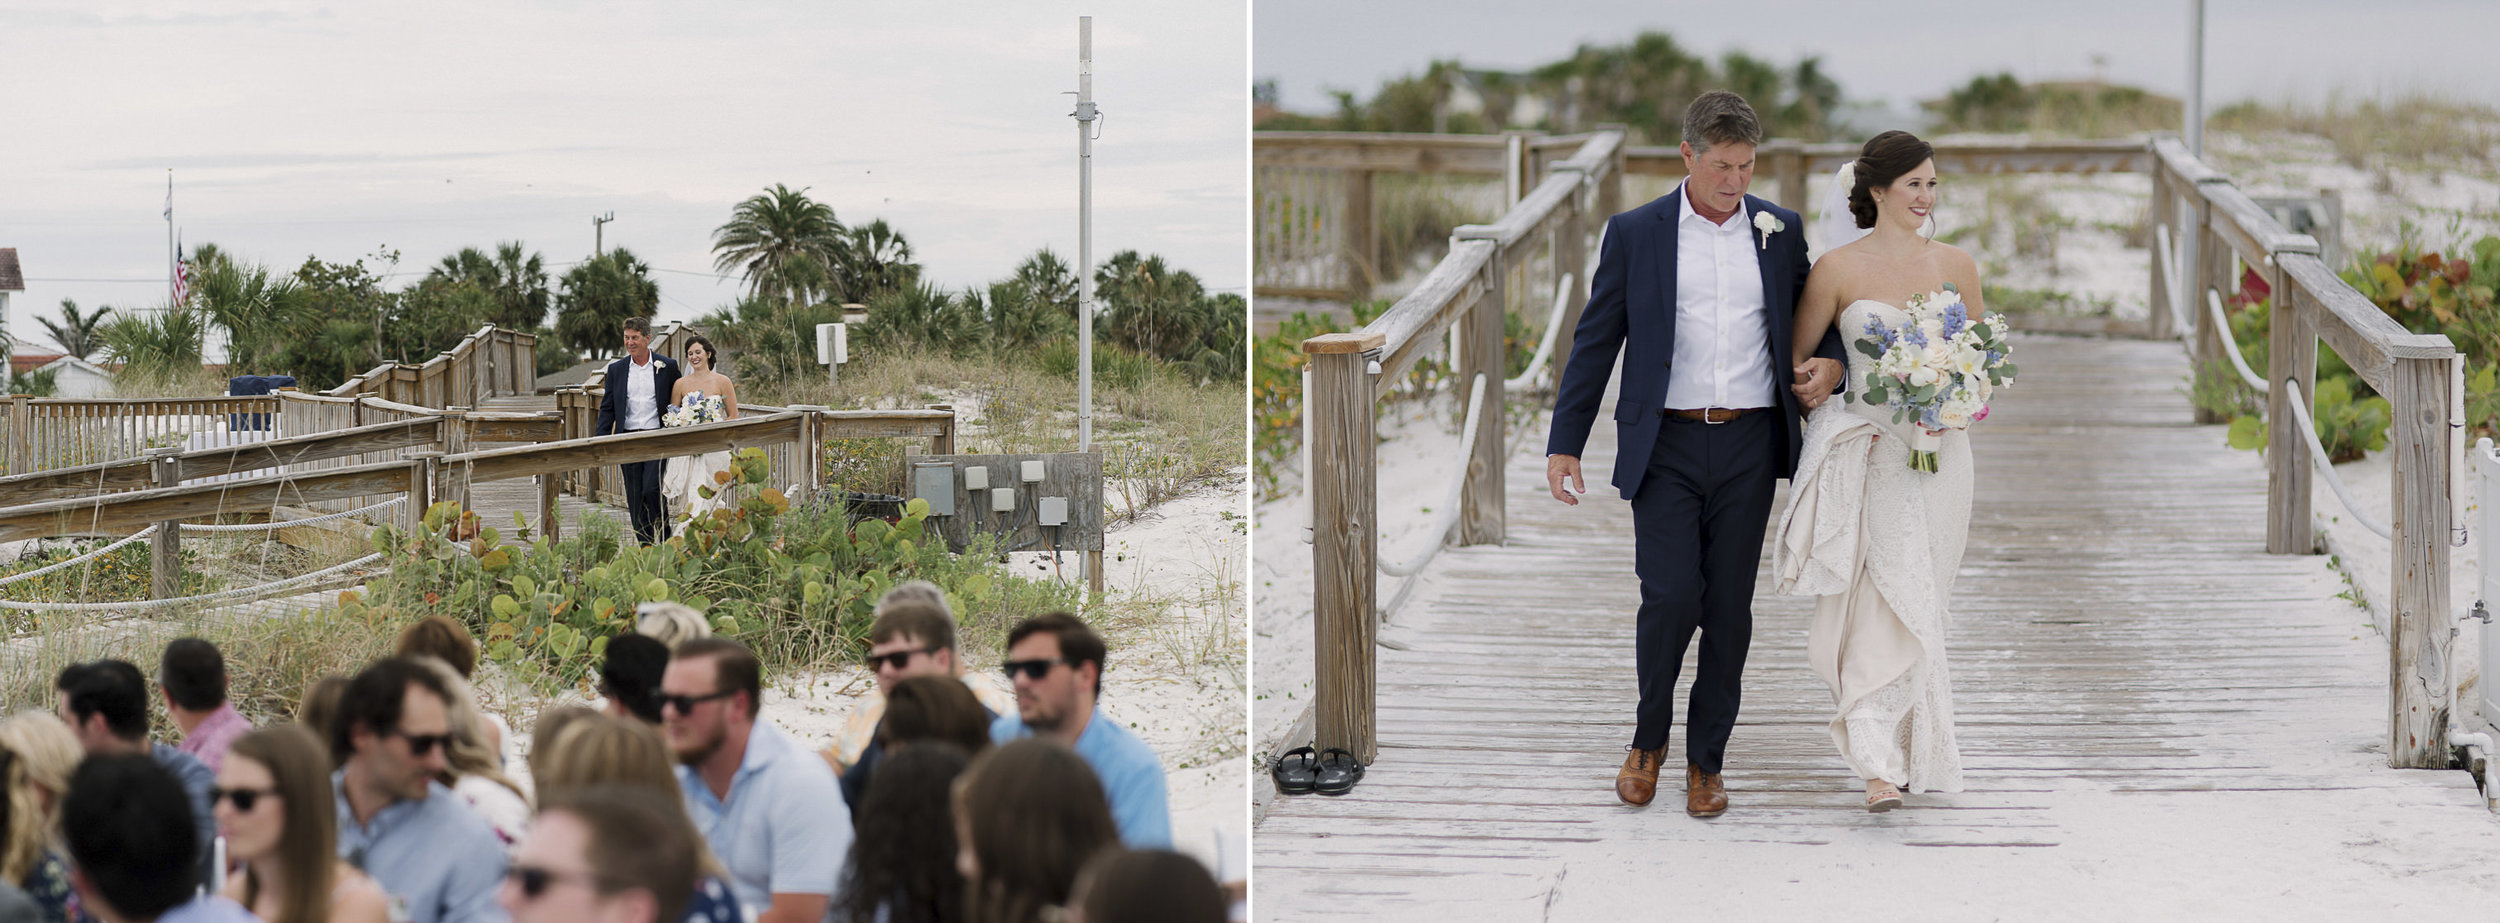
2231	344
288	523
1545	348
81	559
2326	467
255	593
1439	537
2168	257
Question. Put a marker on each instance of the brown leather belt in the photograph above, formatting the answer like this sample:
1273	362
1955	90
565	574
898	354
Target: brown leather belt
1711	414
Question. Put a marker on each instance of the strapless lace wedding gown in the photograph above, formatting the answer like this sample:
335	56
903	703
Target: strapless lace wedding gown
1880	544
687	472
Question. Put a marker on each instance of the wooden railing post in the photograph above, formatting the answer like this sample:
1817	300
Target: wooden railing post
165	547
810	451
944	444
2419	636
1345	549
1788	159
2213	273
1361	255
421	468
2292	355
21	433
1571	258
1480	512
2161	212
550	513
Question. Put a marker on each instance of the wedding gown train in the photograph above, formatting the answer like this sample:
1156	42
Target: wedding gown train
687	472
1879	544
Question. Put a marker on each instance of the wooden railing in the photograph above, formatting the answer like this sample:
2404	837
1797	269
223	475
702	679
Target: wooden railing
2190	202
1348	371
493	361
2417	373
1316	202
46	433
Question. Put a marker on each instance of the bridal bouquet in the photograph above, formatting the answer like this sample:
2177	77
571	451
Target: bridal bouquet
697	408
1937	369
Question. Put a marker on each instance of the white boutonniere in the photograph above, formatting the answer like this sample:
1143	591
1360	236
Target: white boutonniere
1768	224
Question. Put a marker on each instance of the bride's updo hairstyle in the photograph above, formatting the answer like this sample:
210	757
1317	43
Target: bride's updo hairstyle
711	353
1884	158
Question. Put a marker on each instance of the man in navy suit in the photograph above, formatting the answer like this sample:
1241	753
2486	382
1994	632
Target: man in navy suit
638	389
1699	291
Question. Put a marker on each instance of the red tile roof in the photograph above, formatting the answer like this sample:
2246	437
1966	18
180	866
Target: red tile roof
22	363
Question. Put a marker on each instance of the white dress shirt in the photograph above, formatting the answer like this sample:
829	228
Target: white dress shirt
642	403
1722	328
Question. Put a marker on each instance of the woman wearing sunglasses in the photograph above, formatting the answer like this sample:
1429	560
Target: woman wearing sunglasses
275	808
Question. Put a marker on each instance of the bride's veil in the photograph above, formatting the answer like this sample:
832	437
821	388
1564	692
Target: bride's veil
1838	227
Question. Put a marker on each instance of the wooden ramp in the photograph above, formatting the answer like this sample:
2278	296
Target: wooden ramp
2156	716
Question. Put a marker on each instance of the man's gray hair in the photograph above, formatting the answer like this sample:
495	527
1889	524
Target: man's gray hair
914	591
670	622
1720	117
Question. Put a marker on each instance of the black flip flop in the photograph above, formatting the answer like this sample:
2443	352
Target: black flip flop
1338	771
1295	771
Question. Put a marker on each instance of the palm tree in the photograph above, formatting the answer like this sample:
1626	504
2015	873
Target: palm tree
250	304
1048	280
514	279
599	296
1153	308
79	334
880	259
790	248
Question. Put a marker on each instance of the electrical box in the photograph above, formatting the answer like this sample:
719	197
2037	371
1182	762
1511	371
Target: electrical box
1033	472
1054	511
833	343
976	477
1003	500
935	482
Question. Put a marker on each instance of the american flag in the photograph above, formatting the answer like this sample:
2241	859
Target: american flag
182	279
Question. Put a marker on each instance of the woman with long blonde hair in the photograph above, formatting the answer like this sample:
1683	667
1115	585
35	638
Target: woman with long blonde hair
277	811
593	749
37	755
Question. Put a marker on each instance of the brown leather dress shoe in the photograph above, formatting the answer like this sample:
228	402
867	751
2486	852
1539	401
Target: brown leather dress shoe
1705	795
1638	782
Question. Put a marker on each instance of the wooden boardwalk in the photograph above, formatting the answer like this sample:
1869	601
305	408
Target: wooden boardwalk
2157	718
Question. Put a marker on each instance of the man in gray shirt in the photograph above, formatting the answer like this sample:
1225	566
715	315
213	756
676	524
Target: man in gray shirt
438	860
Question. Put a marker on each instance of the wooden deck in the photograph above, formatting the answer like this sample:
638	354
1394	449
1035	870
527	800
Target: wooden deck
2153	712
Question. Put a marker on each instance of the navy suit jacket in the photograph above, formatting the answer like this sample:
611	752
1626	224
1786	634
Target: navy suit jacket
612	403
1632	308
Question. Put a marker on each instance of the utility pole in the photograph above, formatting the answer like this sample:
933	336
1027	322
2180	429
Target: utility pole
1086	115
598	233
2196	78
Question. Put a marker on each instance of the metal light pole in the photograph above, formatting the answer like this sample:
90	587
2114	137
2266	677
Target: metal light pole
2196	78
1085	116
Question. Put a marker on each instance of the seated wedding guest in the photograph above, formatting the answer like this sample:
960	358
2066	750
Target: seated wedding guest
913	635
129	828
596	750
37	757
670	623
105	704
437	858
279	816
606	854
543	734
320	704
1056	664
446	639
934	708
1145	886
905	870
193	675
770	811
470	769
1028	814
630	676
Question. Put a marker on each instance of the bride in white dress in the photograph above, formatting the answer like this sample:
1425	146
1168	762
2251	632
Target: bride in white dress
685	473
1877	541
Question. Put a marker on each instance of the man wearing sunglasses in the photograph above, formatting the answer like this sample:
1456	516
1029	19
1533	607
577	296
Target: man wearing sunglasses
437	858
105	703
1055	662
771	812
601	853
913	635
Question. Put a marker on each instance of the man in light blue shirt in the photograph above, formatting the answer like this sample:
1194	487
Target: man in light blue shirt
438	860
105	703
771	811
1055	662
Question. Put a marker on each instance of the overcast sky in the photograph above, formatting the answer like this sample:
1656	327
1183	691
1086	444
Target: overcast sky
1905	50
332	129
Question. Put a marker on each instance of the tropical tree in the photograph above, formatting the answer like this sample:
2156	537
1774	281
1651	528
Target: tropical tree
790	248
1049	280
1150	307
598	296
923	318
879	258
80	334
156	347
513	280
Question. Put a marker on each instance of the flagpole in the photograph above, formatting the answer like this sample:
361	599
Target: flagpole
171	249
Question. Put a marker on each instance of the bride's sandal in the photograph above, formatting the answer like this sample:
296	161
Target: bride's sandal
1883	799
